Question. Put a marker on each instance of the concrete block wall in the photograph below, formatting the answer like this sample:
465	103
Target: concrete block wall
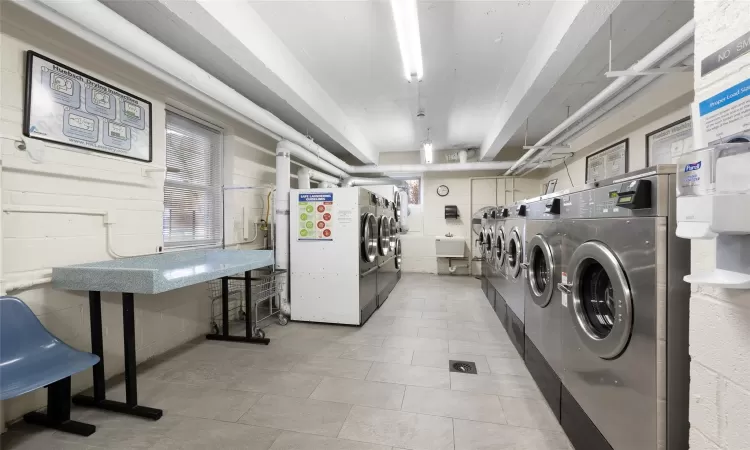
32	243
719	318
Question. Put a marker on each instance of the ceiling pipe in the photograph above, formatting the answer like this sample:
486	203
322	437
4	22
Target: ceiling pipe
107	30
357	181
93	22
625	95
672	43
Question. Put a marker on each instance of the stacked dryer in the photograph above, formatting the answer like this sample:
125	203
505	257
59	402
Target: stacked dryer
388	246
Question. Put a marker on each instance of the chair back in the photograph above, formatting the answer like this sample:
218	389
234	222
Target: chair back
21	332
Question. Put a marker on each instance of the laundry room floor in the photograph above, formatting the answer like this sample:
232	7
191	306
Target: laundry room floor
385	385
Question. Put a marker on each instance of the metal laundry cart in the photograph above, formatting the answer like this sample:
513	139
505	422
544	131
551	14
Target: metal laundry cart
266	286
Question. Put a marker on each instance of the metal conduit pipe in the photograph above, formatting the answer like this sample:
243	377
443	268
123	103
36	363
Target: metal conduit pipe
621	98
358	181
672	43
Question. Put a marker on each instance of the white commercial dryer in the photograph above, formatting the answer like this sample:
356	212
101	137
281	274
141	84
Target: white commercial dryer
334	244
542	309
625	315
513	287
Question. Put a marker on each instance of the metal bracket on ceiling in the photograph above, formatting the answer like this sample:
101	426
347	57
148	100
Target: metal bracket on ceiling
547	147
649	72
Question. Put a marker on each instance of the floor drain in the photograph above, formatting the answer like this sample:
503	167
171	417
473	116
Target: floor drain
462	367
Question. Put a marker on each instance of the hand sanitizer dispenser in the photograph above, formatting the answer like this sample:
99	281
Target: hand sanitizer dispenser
713	202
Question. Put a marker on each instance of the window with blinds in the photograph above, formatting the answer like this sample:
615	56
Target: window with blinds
192	189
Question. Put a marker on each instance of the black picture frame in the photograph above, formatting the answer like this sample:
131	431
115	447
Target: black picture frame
665	127
30	55
625	141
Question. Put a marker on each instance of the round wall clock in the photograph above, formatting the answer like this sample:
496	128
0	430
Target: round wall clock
442	190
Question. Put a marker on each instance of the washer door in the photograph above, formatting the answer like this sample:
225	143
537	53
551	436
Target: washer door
541	269
393	230
602	309
514	253
384	236
397	252
369	234
489	237
397	205
500	252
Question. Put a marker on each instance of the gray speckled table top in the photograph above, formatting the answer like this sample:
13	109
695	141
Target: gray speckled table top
153	274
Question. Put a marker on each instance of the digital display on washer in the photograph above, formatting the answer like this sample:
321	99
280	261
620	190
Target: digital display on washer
626	199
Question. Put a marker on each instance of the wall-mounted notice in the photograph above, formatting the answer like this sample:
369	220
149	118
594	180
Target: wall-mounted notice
69	107
608	162
725	116
667	143
315	216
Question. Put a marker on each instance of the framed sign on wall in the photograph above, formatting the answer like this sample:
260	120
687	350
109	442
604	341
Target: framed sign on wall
66	106
669	142
607	162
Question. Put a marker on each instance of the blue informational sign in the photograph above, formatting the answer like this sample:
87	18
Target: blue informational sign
725	98
316	197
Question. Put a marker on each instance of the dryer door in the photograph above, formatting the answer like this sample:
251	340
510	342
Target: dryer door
541	268
397	252
514	253
384	236
369	236
500	252
489	237
602	306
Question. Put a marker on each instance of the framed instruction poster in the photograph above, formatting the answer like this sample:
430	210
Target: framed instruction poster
315	216
607	162
669	142
66	106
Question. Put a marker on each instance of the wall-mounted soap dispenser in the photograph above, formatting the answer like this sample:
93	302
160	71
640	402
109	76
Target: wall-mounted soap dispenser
713	202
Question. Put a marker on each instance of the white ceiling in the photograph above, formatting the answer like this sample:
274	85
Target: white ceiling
346	54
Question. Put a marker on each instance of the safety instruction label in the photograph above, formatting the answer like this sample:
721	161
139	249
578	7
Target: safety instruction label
315	216
725	116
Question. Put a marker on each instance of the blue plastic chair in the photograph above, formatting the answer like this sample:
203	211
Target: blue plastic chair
31	357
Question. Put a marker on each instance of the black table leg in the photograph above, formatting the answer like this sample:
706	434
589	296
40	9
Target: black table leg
58	411
99	400
225	336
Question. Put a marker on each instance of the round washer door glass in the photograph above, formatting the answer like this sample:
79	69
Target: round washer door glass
398	253
384	236
602	309
489	244
515	253
500	247
541	269
369	237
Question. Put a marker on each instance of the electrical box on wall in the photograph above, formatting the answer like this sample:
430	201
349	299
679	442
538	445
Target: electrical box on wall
451	212
713	194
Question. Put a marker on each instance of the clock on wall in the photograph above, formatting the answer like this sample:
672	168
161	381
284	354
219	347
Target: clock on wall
442	190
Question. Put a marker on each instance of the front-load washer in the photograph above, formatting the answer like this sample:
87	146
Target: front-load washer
513	291
542	309
388	230
499	279
625	314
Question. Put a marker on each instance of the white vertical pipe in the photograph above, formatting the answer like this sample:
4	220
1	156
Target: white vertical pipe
303	178
283	177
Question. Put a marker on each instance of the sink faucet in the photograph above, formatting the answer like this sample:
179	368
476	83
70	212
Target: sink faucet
449	234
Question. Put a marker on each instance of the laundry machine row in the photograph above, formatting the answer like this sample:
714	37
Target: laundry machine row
606	312
347	238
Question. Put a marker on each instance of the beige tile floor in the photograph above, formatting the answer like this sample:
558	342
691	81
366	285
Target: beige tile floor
384	386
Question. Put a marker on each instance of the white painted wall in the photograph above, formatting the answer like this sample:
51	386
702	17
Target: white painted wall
665	101
82	179
719	319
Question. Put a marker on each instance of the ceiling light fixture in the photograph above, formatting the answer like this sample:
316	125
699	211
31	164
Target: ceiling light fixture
427	147
406	19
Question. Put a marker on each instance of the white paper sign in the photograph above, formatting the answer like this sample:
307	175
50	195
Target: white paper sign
667	144
725	116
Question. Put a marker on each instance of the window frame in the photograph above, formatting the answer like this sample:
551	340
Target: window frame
195	244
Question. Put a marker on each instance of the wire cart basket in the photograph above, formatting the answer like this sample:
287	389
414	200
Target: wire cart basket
266	287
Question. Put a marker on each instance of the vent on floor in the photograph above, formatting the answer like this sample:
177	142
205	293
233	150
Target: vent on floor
462	367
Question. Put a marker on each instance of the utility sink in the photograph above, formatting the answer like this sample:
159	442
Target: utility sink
449	246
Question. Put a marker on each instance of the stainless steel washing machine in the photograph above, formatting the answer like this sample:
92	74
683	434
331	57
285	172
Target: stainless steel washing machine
387	236
625	315
499	278
542	309
513	289
368	261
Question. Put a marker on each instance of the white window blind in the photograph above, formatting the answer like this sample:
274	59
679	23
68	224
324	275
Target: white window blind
192	189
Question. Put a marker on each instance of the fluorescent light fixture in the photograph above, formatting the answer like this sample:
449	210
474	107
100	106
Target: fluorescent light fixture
406	19
427	146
